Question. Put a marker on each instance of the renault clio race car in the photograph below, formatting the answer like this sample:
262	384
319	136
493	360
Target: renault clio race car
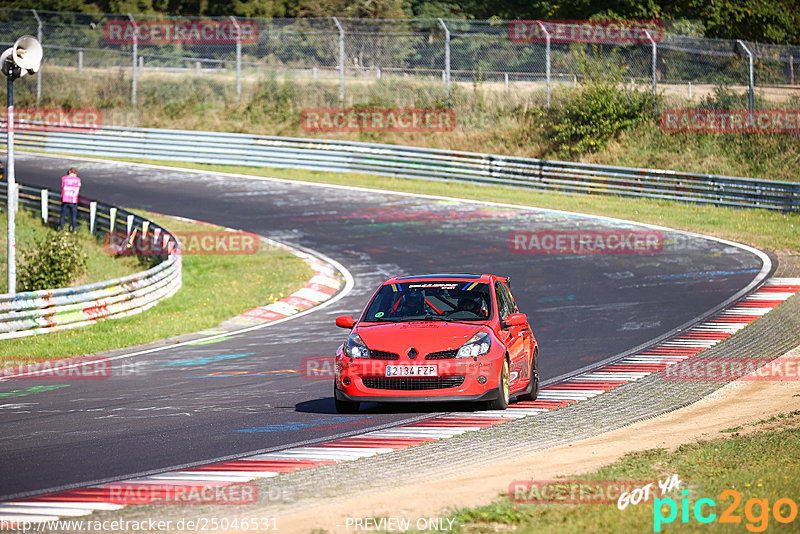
437	337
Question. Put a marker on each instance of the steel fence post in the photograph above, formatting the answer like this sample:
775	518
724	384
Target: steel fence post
547	57
92	216
446	59
653	68
238	57
39	72
135	58
44	199
12	190
341	61
750	90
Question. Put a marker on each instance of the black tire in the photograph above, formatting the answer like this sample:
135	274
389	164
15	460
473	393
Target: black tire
503	390
345	406
534	388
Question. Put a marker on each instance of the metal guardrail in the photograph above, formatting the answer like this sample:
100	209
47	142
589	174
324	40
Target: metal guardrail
413	162
37	312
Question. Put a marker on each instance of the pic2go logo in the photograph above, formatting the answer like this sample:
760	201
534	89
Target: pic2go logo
756	511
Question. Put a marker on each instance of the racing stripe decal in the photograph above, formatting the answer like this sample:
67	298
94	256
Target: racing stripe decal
79	502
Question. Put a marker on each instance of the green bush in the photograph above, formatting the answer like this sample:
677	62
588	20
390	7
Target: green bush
723	98
594	114
54	262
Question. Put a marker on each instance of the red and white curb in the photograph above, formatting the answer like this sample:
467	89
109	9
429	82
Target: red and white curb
78	502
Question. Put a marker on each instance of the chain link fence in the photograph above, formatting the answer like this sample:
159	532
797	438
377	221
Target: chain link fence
427	59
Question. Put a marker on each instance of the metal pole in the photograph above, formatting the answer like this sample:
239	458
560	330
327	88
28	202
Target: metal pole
446	59
341	61
653	69
791	70
547	57
238	57
44	195
80	60
750	101
39	72
135	54
12	188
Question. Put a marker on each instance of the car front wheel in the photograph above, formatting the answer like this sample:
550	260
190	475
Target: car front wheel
503	391
345	406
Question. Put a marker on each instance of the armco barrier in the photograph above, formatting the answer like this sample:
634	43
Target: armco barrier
37	312
412	162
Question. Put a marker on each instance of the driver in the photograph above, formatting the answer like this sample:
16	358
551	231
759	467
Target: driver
469	305
414	304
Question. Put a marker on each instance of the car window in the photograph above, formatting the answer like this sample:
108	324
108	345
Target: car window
431	300
509	297
504	303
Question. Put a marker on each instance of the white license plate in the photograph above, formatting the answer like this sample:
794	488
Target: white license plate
411	370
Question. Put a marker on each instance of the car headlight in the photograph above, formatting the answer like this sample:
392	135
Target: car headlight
355	347
477	345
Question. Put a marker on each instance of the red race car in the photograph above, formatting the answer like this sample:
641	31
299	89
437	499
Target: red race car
438	337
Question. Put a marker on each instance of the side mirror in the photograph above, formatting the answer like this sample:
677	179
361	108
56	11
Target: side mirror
345	321
516	319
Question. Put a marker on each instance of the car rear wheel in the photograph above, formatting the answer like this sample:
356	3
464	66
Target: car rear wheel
534	385
345	406
503	391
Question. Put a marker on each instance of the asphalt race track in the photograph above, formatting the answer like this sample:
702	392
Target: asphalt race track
172	411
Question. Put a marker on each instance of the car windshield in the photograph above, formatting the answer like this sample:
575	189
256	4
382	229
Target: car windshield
431	301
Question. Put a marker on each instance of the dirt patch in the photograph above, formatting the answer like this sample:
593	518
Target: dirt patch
739	404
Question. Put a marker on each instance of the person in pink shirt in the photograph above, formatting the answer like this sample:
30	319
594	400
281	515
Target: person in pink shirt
70	187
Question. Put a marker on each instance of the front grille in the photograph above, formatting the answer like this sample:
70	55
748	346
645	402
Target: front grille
382	355
442	355
413	384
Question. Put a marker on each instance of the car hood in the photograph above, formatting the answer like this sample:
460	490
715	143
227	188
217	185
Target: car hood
425	336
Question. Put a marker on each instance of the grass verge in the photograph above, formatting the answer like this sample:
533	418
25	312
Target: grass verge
757	227
215	288
760	466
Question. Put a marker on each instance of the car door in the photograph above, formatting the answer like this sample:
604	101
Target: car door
527	342
513	336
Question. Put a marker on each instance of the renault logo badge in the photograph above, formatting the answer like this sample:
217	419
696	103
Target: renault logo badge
412	353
